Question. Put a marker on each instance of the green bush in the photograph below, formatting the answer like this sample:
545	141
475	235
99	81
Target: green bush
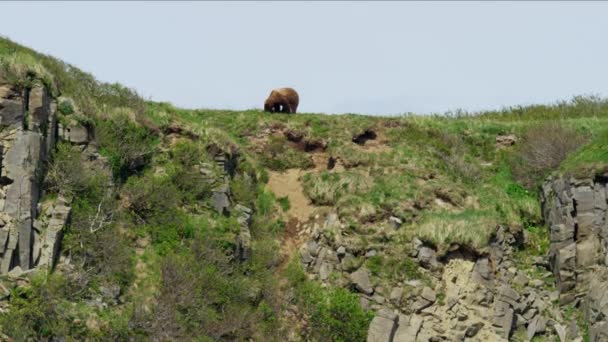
66	107
152	199
128	146
335	314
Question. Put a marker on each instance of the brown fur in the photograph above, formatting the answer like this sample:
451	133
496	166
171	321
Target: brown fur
284	100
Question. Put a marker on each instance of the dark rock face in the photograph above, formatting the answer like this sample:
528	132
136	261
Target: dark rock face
27	239
577	213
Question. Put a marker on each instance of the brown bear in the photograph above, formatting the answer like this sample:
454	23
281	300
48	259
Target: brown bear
283	100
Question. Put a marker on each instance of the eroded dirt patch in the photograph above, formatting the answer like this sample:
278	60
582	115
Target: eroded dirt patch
287	184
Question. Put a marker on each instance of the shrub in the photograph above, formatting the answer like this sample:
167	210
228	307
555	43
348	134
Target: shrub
152	199
66	107
128	146
202	296
335	314
543	148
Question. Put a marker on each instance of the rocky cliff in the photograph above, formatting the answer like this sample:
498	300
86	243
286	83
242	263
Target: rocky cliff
31	231
576	211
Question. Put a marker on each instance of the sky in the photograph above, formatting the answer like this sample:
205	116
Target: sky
364	57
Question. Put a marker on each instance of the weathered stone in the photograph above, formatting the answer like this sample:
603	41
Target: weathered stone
506	322
39	109
361	280
381	329
588	252
74	133
341	251
221	200
428	294
520	280
598	332
508	295
12	109
536	283
505	140
560	330
408	328
427	258
312	248
325	271
473	329
585	200
396	294
481	271
305	255
243	245
395	221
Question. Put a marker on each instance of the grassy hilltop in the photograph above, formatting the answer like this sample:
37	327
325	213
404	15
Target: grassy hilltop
167	257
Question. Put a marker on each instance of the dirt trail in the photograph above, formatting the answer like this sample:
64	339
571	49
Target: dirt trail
299	214
287	183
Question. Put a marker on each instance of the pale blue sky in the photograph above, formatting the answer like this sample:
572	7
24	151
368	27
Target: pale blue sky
363	57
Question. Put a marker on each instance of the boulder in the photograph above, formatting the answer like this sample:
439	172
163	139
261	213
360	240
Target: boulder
361	280
427	258
382	328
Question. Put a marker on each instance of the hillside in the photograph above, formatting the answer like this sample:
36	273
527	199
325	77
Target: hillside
125	219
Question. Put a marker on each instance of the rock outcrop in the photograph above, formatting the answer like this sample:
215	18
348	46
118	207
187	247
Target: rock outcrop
576	211
29	132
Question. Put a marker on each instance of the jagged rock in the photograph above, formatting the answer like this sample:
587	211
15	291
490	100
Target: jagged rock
341	251
520	280
560	330
305	256
12	110
588	252
395	296
52	234
382	328
505	140
427	258
350	263
221	199
395	221
325	271
536	283
361	280
598	332
481	271
74	133
473	329
426	299
16	272
313	248
408	328
371	253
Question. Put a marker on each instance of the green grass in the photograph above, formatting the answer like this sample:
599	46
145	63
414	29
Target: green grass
441	174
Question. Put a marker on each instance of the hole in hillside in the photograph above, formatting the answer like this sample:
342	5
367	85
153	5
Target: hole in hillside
294	136
457	251
603	178
361	139
315	146
4	181
331	163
